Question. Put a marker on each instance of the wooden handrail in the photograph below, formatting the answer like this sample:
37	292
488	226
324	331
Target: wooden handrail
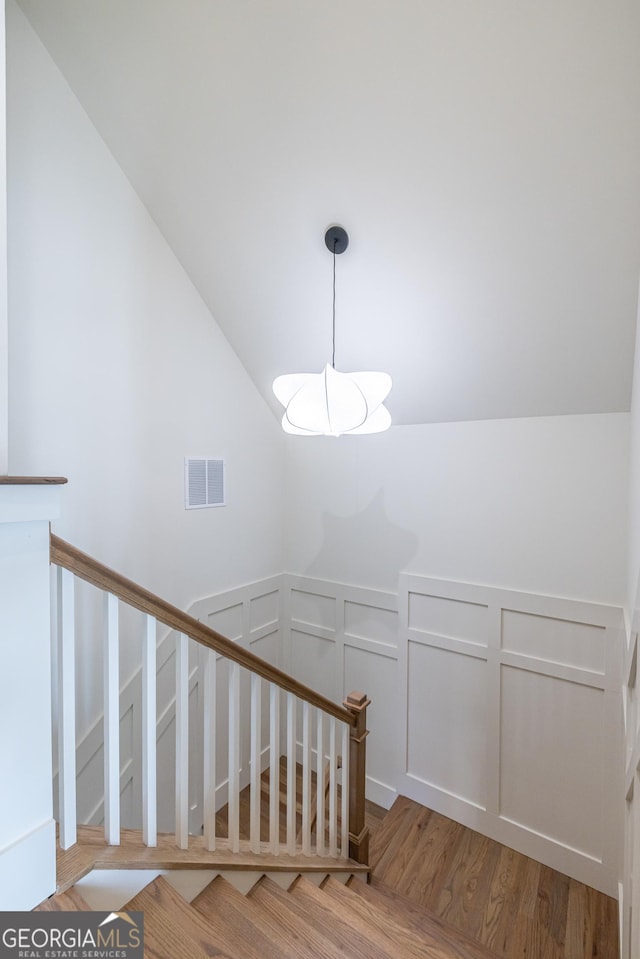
91	571
32	480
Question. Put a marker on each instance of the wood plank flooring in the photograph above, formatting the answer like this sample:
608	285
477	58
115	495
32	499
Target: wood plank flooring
515	906
425	867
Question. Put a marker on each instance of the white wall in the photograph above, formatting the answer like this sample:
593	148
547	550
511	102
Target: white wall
532	509
533	504
4	321
633	571
117	369
630	898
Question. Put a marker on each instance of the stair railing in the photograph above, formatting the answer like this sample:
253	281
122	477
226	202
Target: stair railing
339	731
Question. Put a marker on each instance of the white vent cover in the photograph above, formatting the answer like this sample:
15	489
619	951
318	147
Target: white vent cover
203	482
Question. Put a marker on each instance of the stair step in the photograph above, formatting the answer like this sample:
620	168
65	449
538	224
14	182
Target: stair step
69	901
236	925
172	928
304	941
381	905
92	852
343	926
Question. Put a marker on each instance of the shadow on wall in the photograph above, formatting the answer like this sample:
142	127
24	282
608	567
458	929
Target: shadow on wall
364	549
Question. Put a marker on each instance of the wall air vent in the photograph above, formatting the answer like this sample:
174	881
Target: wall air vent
203	482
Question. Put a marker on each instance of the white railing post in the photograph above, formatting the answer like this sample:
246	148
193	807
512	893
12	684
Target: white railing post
333	789
234	757
209	740
320	786
291	774
111	722
182	741
256	749
306	779
274	769
344	794
149	735
66	631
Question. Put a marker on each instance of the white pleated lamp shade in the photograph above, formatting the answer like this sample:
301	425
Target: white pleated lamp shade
332	403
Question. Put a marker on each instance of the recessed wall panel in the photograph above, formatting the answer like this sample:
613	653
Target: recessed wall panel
554	640
377	677
313	662
552	757
447	721
371	622
266	647
313	608
264	610
455	618
227	621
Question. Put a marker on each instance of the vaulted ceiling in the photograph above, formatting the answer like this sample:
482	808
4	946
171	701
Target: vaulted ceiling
482	154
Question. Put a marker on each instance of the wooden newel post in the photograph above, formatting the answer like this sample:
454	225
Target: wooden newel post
357	704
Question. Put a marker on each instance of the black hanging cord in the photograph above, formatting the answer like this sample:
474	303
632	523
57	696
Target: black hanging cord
333	355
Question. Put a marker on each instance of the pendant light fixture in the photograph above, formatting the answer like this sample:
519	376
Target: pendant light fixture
331	403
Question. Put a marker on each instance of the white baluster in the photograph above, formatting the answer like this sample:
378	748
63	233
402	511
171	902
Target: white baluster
66	707
274	769
256	749
209	739
234	757
111	722
182	741
306	779
320	785
291	774
344	795
333	789
149	736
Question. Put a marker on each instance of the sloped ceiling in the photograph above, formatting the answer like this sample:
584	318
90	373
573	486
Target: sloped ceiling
482	154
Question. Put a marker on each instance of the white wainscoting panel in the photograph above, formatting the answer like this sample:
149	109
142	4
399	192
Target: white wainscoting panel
446	733
512	719
343	638
377	670
314	657
500	709
554	640
465	620
552	742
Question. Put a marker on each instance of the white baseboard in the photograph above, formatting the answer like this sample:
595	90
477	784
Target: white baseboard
28	869
380	793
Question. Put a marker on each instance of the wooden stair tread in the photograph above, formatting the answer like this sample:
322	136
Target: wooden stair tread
299	935
91	852
221	895
69	901
346	927
172	929
220	900
385	905
311	905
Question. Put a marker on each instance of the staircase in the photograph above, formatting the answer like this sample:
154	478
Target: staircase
437	890
283	919
334	921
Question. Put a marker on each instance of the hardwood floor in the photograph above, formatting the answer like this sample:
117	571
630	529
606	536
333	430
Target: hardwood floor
518	908
515	906
438	891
